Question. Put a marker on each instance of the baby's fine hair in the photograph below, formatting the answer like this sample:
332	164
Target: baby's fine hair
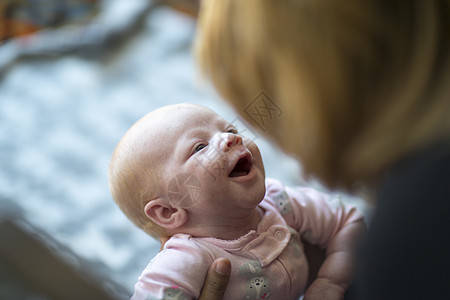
132	181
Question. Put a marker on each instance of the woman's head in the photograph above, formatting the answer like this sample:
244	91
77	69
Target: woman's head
360	83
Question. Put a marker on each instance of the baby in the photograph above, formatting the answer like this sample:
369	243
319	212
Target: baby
183	171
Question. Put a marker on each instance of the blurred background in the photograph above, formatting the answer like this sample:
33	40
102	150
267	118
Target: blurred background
74	76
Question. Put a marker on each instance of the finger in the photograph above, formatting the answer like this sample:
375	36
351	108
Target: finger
163	240
216	280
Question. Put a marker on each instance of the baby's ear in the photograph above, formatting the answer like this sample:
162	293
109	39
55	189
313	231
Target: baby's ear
165	215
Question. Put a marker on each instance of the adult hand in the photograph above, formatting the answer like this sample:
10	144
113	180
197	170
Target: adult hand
216	280
163	240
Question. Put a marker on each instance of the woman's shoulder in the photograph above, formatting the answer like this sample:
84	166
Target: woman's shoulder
422	177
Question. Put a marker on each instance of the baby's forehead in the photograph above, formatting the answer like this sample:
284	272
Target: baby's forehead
186	109
170	123
186	115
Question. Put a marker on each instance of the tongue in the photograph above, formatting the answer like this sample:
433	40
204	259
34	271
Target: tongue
238	173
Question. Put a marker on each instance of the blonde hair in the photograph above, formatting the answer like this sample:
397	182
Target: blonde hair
360	83
134	181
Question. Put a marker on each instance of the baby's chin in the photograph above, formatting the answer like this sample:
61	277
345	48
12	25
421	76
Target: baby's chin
259	195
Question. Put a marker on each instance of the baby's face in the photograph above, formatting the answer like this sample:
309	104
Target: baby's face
207	165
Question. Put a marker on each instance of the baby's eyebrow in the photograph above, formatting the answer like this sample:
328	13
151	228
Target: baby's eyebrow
187	140
202	130
192	134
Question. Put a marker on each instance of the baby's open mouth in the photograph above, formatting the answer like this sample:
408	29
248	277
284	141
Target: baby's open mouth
242	167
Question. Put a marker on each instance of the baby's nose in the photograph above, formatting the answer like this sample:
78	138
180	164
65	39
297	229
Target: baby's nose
228	140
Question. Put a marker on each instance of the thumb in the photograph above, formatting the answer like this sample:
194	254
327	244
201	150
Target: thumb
216	280
163	240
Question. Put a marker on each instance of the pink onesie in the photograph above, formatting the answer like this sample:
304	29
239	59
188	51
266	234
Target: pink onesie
266	263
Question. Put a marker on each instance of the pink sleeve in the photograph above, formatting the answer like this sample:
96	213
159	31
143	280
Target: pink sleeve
315	215
178	272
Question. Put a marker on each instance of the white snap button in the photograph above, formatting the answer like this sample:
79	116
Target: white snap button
280	235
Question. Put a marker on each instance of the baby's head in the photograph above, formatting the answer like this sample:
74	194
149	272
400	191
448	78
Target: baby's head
183	163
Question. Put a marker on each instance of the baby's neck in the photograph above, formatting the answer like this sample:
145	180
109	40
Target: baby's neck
228	229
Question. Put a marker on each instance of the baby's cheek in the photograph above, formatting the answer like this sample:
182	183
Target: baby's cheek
184	190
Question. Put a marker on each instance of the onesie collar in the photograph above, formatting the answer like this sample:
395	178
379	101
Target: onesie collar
266	242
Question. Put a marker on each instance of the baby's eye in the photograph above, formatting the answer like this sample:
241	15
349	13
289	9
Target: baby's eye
232	130
199	147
